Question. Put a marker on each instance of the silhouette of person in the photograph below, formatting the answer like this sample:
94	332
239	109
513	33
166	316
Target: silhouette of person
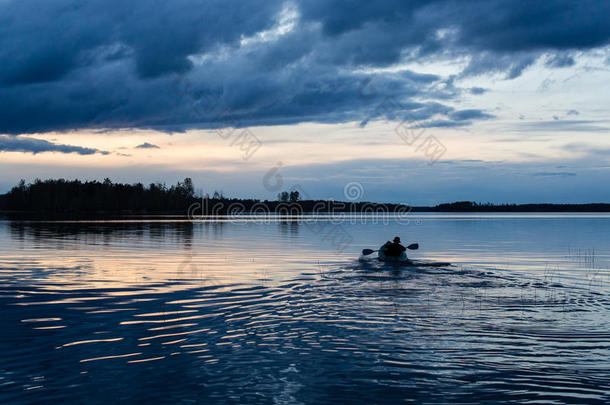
394	248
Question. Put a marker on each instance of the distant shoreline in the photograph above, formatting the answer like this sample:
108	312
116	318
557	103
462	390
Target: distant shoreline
62	199
365	208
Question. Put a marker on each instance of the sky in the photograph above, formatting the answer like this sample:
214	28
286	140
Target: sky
419	102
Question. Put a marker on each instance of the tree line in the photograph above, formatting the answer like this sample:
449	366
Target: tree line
470	206
65	196
70	197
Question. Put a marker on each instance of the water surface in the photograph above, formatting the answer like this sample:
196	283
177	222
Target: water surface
287	312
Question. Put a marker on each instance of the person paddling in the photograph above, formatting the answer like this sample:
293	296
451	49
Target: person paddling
394	249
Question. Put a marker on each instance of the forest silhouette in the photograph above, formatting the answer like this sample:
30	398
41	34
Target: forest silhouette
74	197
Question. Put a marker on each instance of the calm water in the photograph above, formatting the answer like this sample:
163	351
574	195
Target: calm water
285	312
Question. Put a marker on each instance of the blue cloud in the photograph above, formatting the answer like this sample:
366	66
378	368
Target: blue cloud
551	174
147	145
478	90
470	114
33	145
444	124
565	125
560	60
193	64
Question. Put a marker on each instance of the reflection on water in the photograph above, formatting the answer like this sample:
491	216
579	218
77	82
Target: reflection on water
171	311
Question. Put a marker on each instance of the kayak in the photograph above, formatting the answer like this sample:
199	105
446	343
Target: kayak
402	259
414	263
383	257
419	263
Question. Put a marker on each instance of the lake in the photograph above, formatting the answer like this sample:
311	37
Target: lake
287	312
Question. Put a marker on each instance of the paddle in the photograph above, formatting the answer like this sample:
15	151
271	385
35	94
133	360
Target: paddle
366	252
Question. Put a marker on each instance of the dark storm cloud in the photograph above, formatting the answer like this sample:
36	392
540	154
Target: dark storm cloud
185	64
32	145
46	40
499	34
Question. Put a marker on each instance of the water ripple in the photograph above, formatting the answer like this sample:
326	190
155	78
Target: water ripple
128	324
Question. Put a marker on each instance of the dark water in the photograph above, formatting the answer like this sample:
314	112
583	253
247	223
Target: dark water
285	312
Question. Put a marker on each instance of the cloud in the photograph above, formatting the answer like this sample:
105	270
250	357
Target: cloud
147	145
443	124
192	64
564	125
412	181
510	64
470	114
478	90
587	150
33	145
560	60
552	174
394	180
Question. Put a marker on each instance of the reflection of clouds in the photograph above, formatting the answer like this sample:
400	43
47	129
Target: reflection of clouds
150	257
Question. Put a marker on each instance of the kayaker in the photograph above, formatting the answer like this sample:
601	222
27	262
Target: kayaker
394	249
